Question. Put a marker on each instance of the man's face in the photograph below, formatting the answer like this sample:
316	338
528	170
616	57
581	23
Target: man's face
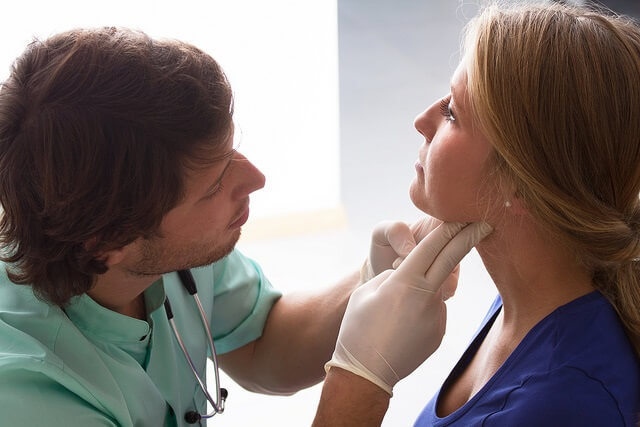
205	226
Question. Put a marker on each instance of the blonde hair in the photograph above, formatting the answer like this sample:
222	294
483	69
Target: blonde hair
556	89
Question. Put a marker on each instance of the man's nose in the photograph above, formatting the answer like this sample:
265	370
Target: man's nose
249	176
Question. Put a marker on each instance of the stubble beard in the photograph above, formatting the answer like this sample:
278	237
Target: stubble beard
157	259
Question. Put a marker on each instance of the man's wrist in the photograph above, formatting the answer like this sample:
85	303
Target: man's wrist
350	400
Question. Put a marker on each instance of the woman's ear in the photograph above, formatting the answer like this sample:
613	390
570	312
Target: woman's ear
515	205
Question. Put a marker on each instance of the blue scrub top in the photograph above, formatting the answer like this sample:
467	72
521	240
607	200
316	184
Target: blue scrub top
90	366
576	367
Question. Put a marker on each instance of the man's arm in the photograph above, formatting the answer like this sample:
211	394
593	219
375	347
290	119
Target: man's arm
351	401
299	337
301	330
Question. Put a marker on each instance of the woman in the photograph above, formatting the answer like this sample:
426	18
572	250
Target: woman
540	137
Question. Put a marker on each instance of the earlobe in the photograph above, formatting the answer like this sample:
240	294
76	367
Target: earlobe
109	257
114	256
516	206
513	203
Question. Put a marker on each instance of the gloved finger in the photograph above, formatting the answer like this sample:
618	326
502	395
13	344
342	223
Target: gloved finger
423	227
419	261
395	234
450	284
453	252
397	262
372	285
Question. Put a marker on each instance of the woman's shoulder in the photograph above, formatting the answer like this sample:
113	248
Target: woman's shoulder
584	335
579	361
585	329
566	396
587	334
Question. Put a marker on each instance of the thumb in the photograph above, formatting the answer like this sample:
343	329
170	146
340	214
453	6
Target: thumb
424	226
400	238
394	234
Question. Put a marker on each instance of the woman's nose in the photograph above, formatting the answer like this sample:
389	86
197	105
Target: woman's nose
427	122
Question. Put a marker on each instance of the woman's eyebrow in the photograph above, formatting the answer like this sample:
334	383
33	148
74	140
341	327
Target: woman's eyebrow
454	95
458	102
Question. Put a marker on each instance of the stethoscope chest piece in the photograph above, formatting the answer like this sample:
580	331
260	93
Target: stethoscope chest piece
192	417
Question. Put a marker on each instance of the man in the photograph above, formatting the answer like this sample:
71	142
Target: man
117	169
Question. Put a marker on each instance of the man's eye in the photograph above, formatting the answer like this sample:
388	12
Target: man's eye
214	192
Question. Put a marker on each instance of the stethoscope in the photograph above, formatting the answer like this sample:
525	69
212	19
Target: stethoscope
192	417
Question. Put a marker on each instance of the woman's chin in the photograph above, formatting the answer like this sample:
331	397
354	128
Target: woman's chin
418	198
436	213
420	201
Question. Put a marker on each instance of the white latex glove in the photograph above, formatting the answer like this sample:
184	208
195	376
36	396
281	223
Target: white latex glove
395	321
391	242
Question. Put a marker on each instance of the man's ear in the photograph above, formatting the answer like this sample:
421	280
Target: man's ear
114	256
110	257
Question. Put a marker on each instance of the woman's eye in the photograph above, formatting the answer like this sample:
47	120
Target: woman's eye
445	109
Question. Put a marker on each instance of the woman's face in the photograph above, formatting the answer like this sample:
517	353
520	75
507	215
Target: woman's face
452	166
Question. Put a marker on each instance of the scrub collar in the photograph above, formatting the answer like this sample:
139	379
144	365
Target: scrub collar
105	325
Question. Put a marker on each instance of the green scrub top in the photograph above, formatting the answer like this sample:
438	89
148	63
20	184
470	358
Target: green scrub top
90	366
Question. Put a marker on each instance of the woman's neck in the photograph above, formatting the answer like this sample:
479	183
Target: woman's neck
534	276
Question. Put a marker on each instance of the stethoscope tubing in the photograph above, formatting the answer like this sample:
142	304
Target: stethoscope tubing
218	405
219	408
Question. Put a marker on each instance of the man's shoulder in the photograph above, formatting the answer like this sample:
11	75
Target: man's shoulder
235	262
30	371
23	315
32	397
29	330
231	272
19	297
46	360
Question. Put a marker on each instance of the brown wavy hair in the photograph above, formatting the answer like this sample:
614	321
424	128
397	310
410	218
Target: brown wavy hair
97	130
557	91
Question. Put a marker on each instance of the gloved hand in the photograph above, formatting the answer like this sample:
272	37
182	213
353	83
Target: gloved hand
395	321
391	242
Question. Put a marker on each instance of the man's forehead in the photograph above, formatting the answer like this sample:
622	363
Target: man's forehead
210	152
